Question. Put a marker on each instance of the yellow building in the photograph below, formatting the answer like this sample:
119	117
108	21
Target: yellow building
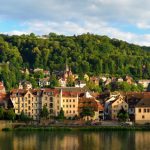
27	101
142	111
69	103
32	101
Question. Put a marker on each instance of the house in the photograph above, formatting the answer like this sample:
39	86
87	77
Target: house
129	79
32	101
132	98
4	100
27	101
145	83
108	81
67	74
46	73
142	111
95	80
44	82
25	85
80	84
62	82
69	100
51	99
87	101
4	97
2	88
119	80
103	78
38	70
115	104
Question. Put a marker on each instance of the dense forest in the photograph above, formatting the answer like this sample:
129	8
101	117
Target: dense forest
86	53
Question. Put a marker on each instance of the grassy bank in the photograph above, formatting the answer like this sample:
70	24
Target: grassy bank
87	128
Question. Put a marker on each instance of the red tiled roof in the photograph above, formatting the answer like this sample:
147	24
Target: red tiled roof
69	94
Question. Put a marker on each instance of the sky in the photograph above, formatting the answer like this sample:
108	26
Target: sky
127	20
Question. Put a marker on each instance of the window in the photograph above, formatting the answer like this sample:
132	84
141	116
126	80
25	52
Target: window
67	111
70	100
66	100
29	107
67	106
70	106
144	110
28	101
70	111
28	95
148	110
51	99
139	110
74	111
22	105
51	105
143	117
73	100
74	106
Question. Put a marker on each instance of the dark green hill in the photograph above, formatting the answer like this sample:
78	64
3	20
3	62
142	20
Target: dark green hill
86	53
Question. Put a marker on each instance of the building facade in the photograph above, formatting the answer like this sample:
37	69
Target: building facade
32	101
142	111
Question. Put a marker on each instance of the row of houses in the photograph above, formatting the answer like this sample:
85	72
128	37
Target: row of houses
136	104
71	100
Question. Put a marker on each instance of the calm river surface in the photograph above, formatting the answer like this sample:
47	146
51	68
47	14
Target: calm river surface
75	140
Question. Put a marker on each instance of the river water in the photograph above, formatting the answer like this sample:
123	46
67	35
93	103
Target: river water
116	140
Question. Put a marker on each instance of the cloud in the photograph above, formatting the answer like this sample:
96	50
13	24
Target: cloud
76	17
101	28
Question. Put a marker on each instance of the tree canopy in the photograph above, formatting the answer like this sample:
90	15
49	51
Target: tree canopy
86	53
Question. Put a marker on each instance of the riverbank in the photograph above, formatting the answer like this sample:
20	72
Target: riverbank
80	128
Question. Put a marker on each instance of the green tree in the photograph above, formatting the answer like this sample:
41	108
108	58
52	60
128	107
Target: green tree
70	81
53	81
1	113
122	115
24	117
10	114
61	114
87	111
44	112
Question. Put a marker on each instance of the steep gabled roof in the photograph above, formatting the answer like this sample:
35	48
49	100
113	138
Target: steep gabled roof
145	102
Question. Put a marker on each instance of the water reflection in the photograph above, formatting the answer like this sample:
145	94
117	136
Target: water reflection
74	140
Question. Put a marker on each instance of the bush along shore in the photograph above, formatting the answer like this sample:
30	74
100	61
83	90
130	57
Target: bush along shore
81	128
